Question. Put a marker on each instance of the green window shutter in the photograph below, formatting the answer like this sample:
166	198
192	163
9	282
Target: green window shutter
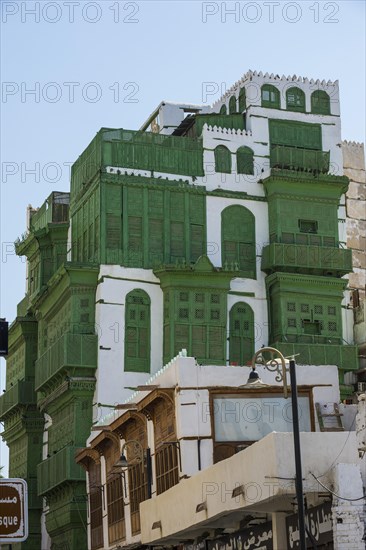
242	100
270	97
245	160
232	105
134	241
295	100
113	222
196	241
177	242
223	109
156	241
320	103
241	334
238	239
222	159
137	332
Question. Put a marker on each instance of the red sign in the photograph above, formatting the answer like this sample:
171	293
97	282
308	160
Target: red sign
13	510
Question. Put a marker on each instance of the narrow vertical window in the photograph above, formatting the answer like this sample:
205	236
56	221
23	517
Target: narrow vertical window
232	105
137	332
238	239
242	100
241	338
245	161
222	159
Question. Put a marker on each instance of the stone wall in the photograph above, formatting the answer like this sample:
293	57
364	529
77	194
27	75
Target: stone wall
354	168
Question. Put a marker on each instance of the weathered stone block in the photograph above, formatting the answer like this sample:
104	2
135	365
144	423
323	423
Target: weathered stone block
356	209
357	190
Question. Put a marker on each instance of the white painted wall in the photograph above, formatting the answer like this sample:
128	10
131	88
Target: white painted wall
115	283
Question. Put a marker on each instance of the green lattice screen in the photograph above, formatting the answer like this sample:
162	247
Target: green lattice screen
195	320
148	227
222	159
295	134
245	160
320	103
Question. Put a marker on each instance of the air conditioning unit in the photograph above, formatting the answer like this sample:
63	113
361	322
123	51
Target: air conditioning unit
361	387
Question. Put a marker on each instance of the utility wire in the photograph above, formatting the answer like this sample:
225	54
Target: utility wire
341	498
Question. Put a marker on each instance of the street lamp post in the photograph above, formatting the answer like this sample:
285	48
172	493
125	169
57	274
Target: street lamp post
277	363
141	456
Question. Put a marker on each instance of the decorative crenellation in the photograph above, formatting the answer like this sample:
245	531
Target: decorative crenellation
355	144
228	131
267	77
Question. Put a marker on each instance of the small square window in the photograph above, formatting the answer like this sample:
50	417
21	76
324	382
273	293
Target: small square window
183	296
291	306
308	226
215	314
318	310
183	313
331	310
215	299
198	314
304	308
332	326
199	297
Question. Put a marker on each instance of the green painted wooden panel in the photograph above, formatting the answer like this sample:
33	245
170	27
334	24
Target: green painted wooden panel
70	353
58	469
285	215
20	394
245	160
223	110
137	332
293	158
270	96
238	239
222	159
241	334
144	150
309	259
320	103
295	134
345	357
195	319
295	100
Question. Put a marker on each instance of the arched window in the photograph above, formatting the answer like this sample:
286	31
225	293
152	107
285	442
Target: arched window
320	103
222	159
242	100
295	100
137	332
232	105
244	161
270	96
238	239
223	109
241	334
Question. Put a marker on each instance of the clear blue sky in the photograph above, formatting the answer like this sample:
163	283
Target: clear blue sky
109	63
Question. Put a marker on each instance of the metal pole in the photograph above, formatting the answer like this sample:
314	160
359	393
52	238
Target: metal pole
299	489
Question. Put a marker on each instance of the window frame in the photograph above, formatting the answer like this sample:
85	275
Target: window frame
273	102
299	100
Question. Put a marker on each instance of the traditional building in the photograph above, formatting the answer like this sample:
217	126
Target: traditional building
216	229
208	463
